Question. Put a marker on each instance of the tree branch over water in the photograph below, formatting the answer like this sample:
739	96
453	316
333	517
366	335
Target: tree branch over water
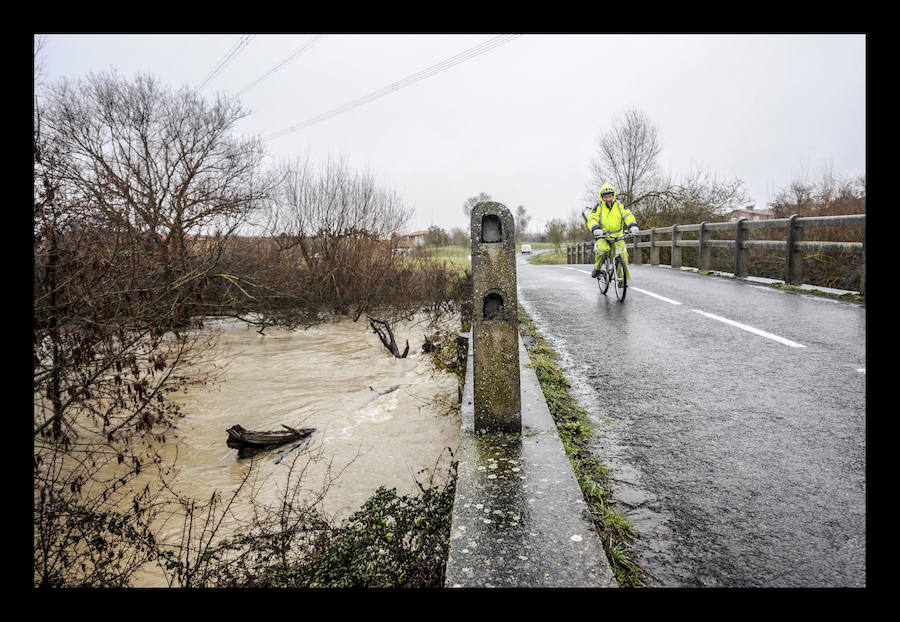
387	337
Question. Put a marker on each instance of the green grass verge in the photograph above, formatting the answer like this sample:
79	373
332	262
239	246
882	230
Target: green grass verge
849	296
786	287
553	257
616	533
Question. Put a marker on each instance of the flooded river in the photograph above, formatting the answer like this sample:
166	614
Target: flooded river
379	420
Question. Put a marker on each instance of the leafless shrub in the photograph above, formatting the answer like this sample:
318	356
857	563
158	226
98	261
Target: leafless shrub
330	250
827	195
392	541
126	177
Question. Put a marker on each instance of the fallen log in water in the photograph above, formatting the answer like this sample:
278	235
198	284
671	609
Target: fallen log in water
239	436
250	443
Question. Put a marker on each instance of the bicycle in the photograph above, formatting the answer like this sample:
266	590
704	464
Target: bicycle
613	269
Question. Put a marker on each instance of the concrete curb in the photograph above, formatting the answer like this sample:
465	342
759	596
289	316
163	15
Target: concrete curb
519	517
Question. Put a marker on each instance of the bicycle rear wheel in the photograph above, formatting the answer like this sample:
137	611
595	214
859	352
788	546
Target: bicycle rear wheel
620	280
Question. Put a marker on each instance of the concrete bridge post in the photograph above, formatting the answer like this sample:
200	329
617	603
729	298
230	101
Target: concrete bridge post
676	250
703	253
794	257
495	336
740	251
654	249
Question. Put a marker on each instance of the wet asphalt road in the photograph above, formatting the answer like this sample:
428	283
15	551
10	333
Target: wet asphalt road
739	458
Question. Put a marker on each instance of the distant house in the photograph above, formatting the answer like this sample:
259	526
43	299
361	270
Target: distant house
416	238
750	213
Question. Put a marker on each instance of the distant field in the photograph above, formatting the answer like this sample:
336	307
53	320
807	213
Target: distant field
449	251
463	251
456	256
551	257
459	255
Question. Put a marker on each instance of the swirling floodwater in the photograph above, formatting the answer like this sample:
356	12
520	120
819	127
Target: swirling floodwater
379	420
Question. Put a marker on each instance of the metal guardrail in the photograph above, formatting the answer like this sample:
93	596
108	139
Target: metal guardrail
794	245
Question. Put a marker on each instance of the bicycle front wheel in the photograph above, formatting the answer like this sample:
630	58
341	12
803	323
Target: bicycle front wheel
620	280
603	278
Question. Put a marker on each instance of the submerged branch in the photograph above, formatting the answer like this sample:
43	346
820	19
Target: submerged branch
388	339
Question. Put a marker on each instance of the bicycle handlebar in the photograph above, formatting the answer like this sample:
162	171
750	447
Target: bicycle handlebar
614	238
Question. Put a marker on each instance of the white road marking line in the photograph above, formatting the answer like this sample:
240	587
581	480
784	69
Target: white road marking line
573	269
750	329
644	291
862	370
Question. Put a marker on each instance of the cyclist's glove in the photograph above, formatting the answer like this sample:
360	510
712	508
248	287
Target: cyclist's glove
598	232
634	229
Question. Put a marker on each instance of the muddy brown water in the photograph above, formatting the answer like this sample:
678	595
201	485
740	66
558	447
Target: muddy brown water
379	420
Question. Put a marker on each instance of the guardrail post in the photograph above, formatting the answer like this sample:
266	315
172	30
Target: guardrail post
590	254
740	253
793	257
654	249
703	252
495	336
636	251
676	250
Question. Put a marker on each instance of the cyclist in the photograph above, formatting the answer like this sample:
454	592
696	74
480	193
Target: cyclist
609	217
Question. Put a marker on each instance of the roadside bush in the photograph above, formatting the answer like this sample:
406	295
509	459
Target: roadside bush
391	541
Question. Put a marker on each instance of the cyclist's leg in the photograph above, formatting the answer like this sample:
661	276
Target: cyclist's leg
601	248
624	248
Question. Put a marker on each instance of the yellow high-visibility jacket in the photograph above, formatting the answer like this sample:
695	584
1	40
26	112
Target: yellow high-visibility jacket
611	219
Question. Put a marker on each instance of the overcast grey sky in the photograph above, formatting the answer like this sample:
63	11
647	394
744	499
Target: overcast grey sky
520	120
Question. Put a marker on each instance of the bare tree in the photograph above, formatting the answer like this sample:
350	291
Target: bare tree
337	229
125	175
522	218
627	158
807	194
40	43
556	232
159	164
699	196
576	228
471	202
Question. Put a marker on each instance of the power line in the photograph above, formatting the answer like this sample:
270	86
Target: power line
481	48
303	48
229	56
